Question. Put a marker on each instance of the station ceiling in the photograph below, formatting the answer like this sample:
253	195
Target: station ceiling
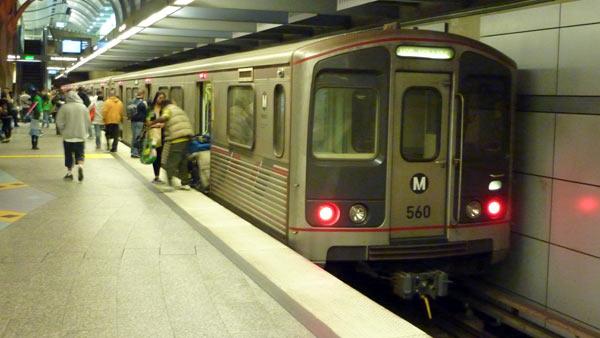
205	28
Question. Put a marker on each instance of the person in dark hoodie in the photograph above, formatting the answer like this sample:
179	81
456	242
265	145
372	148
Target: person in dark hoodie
73	120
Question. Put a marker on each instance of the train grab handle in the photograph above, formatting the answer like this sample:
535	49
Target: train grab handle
458	160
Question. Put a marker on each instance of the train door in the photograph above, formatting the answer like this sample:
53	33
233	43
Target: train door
419	156
206	102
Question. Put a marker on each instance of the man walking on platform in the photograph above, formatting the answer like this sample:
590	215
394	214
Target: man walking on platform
139	110
178	133
73	122
112	112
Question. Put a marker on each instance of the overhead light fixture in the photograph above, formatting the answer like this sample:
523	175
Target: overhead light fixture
183	2
163	13
62	58
60	24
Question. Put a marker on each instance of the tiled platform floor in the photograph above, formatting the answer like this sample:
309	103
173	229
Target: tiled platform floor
107	258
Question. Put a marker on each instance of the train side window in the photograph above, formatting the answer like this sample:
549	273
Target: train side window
164	90
240	115
176	95
279	121
421	123
127	94
345	123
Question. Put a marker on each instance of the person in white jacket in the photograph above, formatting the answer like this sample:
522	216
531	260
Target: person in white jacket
98	119
73	121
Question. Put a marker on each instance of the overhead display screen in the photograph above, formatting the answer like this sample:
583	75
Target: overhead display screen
71	46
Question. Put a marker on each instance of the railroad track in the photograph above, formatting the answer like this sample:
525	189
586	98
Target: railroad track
472	309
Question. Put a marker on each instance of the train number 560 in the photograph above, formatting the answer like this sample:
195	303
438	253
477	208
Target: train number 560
419	211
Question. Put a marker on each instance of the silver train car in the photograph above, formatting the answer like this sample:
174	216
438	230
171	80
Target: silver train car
384	147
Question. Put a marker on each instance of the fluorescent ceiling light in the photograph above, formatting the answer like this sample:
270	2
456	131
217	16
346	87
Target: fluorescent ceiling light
183	2
60	24
129	33
62	58
163	13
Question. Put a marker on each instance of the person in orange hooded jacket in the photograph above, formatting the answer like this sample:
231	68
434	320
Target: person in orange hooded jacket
112	112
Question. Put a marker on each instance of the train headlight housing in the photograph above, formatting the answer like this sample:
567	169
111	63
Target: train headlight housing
473	209
358	213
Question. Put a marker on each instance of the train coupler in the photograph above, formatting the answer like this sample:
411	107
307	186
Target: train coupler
431	283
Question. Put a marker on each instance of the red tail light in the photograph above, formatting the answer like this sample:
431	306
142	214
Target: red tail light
328	213
494	208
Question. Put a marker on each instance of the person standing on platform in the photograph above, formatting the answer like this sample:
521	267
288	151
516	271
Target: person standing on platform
98	120
178	133
139	110
24	102
73	120
46	109
38	103
6	119
35	128
153	114
112	113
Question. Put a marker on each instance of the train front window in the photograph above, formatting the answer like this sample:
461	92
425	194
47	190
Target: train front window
345	120
485	85
421	123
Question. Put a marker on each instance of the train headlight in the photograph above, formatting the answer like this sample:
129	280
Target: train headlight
495	208
358	213
328	213
473	209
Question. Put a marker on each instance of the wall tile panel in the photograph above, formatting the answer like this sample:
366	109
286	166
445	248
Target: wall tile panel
577	155
532	205
522	20
573	282
534	143
580	12
536	56
579	68
525	269
576	217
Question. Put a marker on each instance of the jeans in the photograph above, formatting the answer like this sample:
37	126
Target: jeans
6	127
46	119
156	163
112	131
98	133
136	131
177	162
73	149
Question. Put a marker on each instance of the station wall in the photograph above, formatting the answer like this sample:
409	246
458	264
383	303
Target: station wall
555	256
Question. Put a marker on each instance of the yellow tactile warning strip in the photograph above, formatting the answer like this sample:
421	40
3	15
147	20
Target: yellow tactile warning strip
9	216
87	156
12	185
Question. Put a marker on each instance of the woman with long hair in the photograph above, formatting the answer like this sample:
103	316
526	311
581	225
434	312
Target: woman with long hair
154	113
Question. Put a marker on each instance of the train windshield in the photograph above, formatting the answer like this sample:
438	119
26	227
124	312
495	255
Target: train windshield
485	85
345	116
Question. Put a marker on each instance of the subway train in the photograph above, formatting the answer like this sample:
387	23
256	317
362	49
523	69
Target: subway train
389	148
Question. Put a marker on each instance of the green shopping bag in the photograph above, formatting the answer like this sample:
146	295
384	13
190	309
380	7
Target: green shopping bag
148	155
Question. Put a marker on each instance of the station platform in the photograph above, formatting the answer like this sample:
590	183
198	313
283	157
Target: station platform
114	256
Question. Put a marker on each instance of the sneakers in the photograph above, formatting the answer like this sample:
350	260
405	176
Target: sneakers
184	187
68	177
157	181
80	173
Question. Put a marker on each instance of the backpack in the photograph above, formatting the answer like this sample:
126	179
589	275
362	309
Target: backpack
132	108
